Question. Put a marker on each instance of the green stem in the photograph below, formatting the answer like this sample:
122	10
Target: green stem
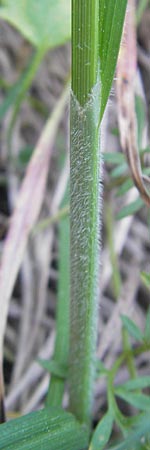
85	204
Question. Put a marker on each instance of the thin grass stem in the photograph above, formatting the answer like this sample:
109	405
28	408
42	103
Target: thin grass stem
85	204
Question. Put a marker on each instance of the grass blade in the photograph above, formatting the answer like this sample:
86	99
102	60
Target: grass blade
44	430
111	23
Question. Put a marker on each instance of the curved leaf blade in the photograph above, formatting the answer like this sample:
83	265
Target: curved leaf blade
136	434
140	401
102	433
132	328
111	20
137	383
45	430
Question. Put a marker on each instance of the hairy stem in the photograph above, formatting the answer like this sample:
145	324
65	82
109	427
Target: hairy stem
85	204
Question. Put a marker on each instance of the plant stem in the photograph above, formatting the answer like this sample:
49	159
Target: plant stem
85	204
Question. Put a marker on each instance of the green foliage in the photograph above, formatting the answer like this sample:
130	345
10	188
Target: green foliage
129	391
12	95
130	209
132	328
138	437
139	401
94	57
43	430
111	23
147	327
53	367
102	432
136	383
45	24
141	8
146	279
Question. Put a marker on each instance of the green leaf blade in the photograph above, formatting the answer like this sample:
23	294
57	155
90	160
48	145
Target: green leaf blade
114	158
137	383
44	430
139	401
102	433
130	209
132	328
146	279
111	20
53	367
147	327
134	438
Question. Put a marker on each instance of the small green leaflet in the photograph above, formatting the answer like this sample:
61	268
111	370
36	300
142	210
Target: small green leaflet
102	433
53	367
131	208
140	401
136	434
146	279
114	158
147	327
132	328
136	383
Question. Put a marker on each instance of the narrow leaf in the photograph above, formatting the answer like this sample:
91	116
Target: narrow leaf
45	430
132	328
146	279
141	118
101	369
44	23
53	367
125	187
111	24
130	209
113	158
102	433
13	93
119	171
137	383
147	327
140	401
135	436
